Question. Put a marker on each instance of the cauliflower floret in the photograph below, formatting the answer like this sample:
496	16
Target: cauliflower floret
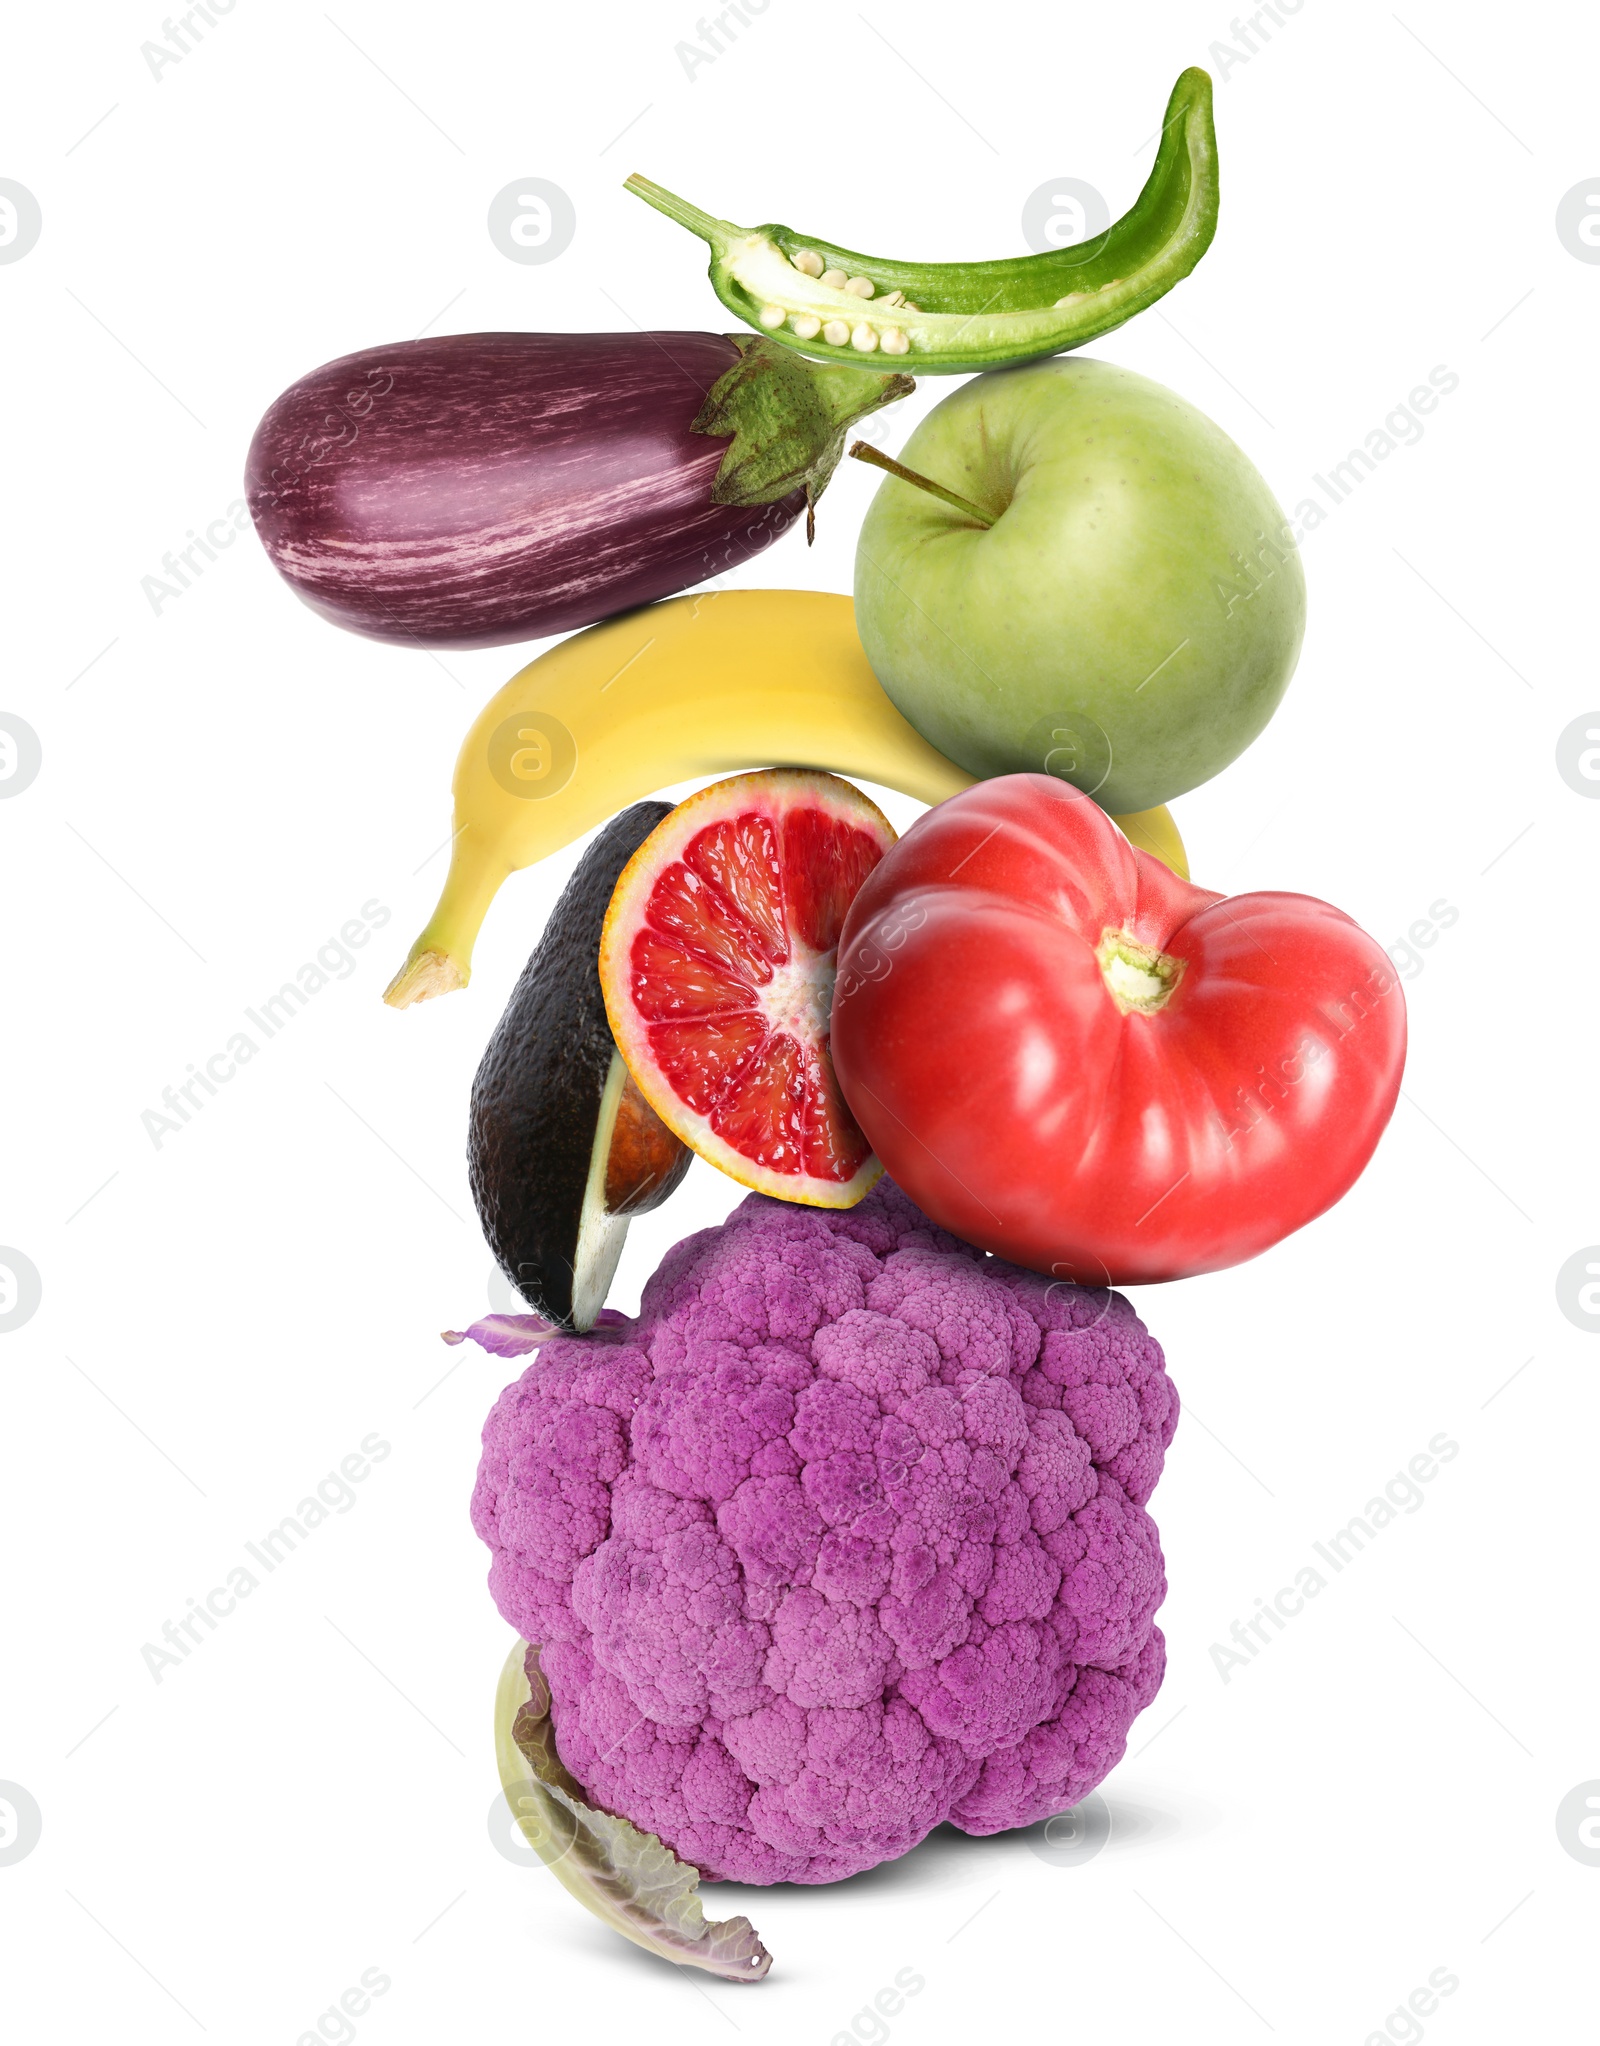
844	1537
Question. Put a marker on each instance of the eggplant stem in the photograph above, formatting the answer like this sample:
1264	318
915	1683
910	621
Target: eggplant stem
864	451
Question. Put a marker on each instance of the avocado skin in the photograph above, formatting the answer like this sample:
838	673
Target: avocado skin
536	1097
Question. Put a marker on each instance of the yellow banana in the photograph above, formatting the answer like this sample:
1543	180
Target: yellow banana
712	684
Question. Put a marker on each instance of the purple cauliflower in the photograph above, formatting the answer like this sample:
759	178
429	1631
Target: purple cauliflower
842	1538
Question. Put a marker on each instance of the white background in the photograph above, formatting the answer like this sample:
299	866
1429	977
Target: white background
229	780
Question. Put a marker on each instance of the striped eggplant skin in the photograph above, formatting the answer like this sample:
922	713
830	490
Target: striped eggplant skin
483	488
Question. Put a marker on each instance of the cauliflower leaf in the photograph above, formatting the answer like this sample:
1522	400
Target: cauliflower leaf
627	1878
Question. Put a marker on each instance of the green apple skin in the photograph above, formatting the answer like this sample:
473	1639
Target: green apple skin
1131	619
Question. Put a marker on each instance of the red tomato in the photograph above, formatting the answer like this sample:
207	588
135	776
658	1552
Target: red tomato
1070	1057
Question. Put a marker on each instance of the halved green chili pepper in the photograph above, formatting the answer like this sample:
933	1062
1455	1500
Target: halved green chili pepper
835	305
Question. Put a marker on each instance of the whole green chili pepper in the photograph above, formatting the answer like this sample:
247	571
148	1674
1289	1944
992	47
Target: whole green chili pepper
835	305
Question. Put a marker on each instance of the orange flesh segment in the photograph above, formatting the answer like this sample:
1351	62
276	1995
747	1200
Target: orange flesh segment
826	863
717	927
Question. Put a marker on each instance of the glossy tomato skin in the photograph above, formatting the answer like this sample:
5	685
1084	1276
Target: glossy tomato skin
983	1054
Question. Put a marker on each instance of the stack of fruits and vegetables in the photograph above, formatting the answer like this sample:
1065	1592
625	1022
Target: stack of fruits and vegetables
845	1535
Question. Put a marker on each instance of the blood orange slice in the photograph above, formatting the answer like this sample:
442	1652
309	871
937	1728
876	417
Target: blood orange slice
717	963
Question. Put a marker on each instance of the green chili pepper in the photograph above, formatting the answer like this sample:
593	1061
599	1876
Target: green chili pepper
837	306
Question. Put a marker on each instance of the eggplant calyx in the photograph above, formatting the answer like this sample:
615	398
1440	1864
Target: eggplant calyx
627	1878
786	419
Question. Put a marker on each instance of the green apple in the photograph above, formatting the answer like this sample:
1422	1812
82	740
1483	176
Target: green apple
1131	616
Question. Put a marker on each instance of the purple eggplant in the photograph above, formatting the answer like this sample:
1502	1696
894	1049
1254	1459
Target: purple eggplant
484	488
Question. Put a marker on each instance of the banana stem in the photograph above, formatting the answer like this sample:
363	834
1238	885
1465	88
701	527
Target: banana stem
864	451
441	959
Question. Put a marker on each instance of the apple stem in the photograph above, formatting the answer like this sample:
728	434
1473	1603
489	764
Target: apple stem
864	451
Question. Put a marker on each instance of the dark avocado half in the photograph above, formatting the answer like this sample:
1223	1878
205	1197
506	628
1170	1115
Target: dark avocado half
562	1148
